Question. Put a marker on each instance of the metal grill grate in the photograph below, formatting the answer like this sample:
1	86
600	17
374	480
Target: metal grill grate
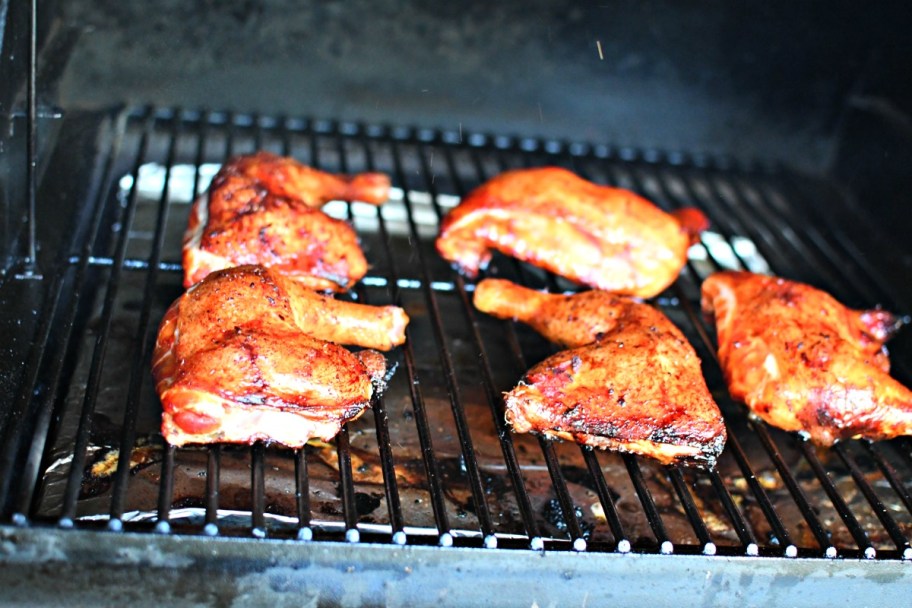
433	462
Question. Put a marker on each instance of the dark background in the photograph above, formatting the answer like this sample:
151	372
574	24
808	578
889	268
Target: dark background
820	87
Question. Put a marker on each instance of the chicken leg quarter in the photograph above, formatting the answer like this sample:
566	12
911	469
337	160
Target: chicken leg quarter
248	354
265	209
629	380
607	238
803	362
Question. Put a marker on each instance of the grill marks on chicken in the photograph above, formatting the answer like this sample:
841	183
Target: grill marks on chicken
629	380
803	362
248	355
265	209
607	238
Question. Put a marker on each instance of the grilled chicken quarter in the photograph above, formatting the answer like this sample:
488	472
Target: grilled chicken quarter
265	209
803	362
606	238
248	355
628	381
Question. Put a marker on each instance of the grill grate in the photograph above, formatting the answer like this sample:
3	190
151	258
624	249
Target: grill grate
433	462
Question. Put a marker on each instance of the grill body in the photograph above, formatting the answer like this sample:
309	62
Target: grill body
428	498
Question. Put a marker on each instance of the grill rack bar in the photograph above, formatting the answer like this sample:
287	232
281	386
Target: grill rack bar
818	255
302	496
524	502
890	473
343	445
74	479
14	425
349	511
446	360
213	475
889	524
145	341
851	522
432	470
693	515
622	543
649	505
390	485
29	268
167	488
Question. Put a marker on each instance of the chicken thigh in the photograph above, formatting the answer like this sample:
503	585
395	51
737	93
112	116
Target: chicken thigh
803	362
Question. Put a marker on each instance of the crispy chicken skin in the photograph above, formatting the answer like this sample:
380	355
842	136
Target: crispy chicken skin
803	362
607	238
248	354
630	381
264	209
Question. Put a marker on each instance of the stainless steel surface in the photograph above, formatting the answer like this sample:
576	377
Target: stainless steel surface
234	572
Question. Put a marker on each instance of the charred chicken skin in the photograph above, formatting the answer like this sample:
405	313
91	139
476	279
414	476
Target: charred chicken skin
803	362
629	380
607	238
265	209
248	354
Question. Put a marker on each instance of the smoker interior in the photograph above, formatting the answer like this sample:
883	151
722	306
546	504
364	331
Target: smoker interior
432	468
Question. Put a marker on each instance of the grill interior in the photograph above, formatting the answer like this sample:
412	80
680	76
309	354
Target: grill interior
433	462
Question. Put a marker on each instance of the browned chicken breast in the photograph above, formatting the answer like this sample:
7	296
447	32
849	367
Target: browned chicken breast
603	237
248	355
630	381
803	362
264	209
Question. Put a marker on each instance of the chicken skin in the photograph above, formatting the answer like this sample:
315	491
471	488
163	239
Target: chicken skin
248	354
629	380
607	238
265	209
803	362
